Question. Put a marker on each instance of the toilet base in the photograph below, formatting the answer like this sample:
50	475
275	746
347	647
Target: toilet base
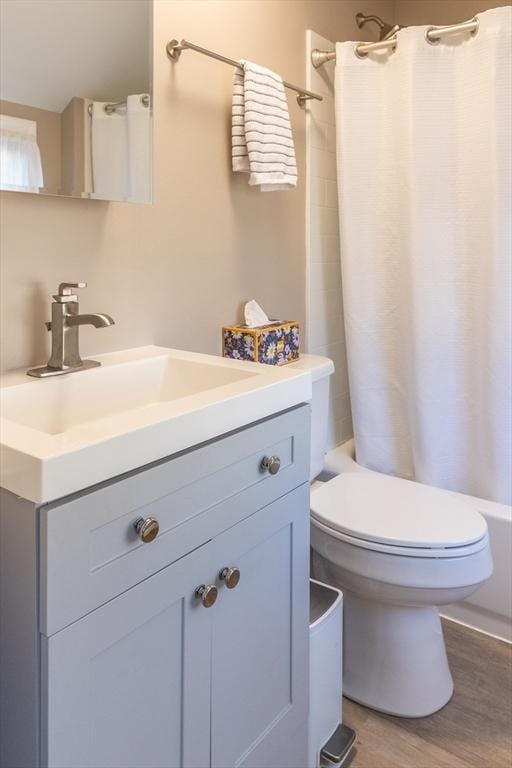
394	657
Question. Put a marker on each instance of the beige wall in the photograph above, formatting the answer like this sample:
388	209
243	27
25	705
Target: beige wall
173	272
48	138
419	12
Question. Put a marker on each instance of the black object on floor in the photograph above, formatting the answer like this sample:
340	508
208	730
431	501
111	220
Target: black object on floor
338	748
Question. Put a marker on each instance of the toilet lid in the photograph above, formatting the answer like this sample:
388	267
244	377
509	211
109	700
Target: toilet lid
388	510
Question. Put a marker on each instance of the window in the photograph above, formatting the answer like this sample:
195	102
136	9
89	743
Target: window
20	158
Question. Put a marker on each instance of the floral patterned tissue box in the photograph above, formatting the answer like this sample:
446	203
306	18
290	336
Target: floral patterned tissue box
274	344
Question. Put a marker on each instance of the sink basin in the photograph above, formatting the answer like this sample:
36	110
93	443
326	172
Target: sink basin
64	403
61	435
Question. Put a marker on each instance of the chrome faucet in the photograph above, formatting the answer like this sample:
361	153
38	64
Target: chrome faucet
65	357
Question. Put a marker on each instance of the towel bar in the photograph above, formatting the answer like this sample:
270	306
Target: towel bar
175	47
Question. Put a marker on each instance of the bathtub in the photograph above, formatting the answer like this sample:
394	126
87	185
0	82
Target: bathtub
489	610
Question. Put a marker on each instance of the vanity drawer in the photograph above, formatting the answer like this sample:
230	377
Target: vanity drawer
90	550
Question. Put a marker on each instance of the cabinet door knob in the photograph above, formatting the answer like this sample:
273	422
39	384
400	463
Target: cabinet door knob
147	529
270	464
230	576
207	594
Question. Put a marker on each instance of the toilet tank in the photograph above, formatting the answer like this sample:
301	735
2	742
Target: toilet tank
321	369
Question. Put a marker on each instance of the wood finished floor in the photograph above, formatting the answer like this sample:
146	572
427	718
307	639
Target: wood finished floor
473	730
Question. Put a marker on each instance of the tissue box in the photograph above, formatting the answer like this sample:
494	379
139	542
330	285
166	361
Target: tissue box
276	343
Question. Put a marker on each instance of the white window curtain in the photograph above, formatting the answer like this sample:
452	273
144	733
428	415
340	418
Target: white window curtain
20	159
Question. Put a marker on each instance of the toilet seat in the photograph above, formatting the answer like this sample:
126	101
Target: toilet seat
412	552
391	515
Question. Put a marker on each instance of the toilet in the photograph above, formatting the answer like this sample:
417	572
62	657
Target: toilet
398	550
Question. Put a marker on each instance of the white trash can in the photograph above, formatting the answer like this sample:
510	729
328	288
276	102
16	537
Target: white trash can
329	741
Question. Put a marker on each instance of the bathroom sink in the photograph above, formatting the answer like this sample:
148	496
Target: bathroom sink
61	435
114	392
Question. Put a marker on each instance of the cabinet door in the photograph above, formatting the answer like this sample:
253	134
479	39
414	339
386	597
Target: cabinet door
128	686
260	639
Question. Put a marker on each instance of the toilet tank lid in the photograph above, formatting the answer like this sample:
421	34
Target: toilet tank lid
319	367
389	510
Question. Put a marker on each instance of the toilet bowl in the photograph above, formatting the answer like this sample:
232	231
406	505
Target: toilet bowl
398	550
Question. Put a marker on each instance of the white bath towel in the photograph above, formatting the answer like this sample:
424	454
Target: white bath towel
261	134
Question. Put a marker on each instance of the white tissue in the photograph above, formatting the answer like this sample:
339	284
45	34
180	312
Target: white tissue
254	315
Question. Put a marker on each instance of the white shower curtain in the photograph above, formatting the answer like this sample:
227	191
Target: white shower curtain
424	180
121	151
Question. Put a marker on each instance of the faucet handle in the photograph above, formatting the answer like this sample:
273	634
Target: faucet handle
65	289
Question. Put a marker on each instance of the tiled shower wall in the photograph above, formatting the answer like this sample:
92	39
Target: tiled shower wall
324	305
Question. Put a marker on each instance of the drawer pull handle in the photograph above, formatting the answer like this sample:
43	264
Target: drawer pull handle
207	594
270	464
230	577
147	529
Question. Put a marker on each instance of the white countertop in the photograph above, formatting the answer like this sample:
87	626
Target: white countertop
62	434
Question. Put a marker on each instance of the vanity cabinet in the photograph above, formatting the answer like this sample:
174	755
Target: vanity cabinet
129	684
260	651
154	678
135	671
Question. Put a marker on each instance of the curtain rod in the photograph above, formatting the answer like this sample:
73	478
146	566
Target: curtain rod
433	35
109	108
175	47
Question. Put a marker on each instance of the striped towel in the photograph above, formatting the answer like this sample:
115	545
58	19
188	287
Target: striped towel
261	134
